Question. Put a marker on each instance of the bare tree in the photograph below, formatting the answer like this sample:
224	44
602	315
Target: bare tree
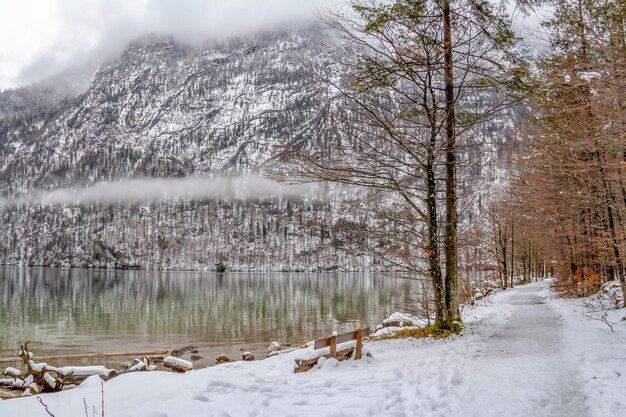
411	79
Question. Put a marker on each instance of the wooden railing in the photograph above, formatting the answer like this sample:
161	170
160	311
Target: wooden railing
332	342
335	340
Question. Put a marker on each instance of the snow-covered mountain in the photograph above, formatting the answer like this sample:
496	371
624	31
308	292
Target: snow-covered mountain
165	109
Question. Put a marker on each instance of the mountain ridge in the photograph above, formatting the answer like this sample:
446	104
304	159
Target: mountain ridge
166	109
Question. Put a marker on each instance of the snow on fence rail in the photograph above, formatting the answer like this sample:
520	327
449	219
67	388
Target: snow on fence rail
339	347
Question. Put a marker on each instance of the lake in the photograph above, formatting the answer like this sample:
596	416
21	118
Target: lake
69	311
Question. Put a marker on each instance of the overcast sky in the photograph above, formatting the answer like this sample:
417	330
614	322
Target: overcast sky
39	38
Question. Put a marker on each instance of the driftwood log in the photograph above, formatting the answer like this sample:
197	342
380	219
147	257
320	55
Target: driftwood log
177	368
41	377
177	364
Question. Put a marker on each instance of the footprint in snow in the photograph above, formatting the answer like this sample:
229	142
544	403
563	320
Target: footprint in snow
221	413
202	398
153	414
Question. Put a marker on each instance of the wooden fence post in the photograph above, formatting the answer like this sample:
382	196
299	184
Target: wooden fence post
359	344
333	345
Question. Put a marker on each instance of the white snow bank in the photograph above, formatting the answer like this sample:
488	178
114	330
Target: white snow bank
330	363
92	381
404	319
596	346
399	321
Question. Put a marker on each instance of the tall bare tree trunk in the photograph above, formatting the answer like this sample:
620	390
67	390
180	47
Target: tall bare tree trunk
434	261
619	73
452	299
512	254
610	204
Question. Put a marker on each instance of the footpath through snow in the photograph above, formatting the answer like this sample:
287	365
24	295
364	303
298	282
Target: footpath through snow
522	353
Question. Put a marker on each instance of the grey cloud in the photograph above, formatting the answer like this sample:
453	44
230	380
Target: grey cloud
113	25
44	65
147	190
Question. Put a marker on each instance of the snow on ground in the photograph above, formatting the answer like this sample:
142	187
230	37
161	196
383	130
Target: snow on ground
522	353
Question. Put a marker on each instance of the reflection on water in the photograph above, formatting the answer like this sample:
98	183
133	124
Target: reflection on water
74	311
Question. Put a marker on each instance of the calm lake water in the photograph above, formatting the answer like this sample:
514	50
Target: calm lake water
67	311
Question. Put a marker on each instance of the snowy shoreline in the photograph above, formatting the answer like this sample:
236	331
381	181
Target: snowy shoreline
459	376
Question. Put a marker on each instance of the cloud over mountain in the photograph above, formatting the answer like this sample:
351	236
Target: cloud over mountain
48	36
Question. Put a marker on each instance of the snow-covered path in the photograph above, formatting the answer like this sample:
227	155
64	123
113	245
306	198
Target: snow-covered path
522	353
518	367
534	358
